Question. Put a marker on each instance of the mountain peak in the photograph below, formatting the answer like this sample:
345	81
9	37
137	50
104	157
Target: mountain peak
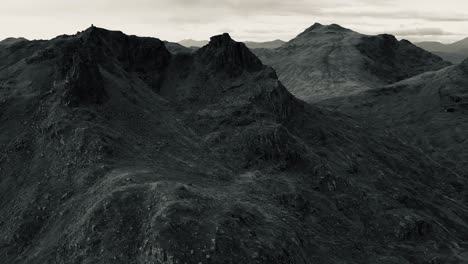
96	31
314	27
9	41
13	39
91	29
317	27
318	33
224	52
221	40
338	27
327	53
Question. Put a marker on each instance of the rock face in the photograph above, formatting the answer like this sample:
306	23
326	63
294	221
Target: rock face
114	150
330	61
227	56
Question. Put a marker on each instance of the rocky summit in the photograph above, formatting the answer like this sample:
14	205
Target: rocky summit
116	150
327	61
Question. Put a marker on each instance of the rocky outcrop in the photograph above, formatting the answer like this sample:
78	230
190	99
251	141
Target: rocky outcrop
392	60
223	54
146	57
82	83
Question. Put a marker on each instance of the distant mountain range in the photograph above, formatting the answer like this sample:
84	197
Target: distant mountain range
250	44
455	52
177	48
326	61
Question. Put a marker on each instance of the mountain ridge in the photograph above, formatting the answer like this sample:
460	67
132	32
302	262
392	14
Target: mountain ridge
189	43
115	150
10	41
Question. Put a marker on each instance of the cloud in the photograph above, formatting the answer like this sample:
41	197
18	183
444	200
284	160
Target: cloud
395	14
258	7
258	20
387	9
422	32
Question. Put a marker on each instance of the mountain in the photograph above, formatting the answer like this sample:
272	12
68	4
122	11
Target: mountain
432	46
10	41
177	48
428	111
452	57
330	61
455	52
115	150
250	44
265	45
459	46
193	43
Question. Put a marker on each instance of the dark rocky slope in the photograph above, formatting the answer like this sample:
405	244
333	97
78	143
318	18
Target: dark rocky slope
114	150
330	61
428	111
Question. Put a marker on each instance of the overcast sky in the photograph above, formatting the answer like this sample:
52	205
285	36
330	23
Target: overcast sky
257	20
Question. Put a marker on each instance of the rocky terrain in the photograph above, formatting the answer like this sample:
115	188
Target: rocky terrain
455	52
428	111
330	61
116	150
